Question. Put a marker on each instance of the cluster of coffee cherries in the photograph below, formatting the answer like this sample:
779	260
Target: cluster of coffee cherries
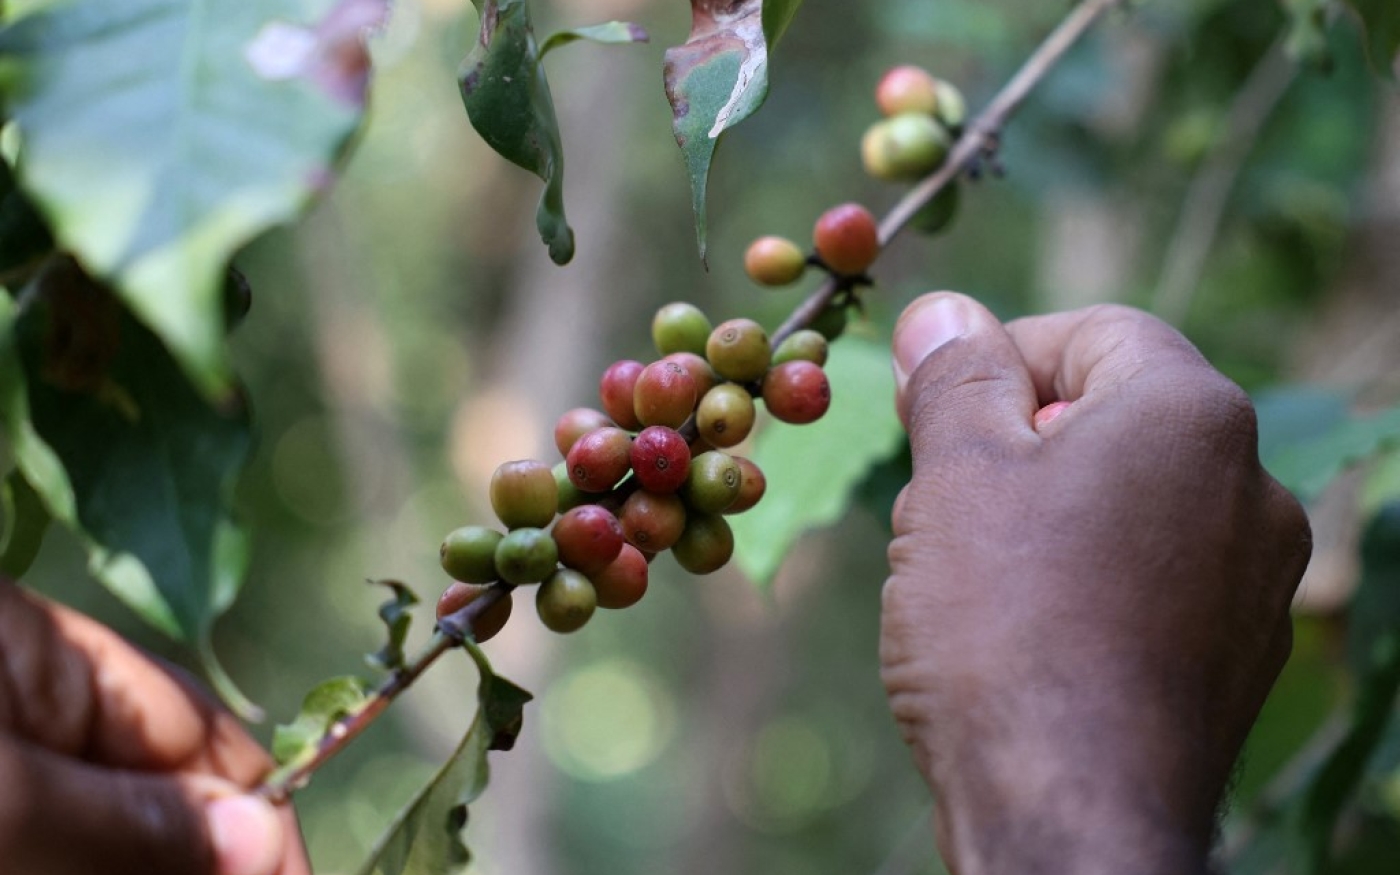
647	472
923	115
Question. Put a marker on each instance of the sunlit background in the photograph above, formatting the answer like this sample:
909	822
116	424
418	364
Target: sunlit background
411	334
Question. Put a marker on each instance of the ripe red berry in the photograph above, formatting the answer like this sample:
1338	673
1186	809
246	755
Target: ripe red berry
652	522
751	488
797	392
566	601
624	582
907	89
725	415
524	495
700	371
489	622
660	459
774	261
847	239
576	423
588	538
738	350
615	390
664	394
599	459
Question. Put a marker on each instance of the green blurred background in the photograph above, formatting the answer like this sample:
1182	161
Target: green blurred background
411	334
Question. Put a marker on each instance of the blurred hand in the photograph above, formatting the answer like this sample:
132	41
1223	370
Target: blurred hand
111	764
1088	602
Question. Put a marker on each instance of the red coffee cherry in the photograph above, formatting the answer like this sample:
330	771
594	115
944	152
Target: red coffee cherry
797	392
907	89
847	240
738	350
751	487
524	495
576	423
566	601
774	261
599	459
652	522
700	371
615	390
664	394
489	622
660	459
588	537
624	582
725	415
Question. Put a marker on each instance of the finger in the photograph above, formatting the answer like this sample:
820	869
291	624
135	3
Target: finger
60	816
959	379
1069	355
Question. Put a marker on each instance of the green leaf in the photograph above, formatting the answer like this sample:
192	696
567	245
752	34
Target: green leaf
1308	467
859	431
508	101
612	32
26	520
397	615
425	837
718	78
1381	21
126	453
328	701
159	136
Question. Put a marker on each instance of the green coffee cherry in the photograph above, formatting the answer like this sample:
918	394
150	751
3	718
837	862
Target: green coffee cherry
680	327
526	556
468	554
725	415
774	261
738	350
706	544
831	322
935	215
566	601
905	147
952	109
805	345
570	496
524	495
713	482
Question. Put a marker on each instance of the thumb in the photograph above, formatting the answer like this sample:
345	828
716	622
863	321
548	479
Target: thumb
960	380
60	816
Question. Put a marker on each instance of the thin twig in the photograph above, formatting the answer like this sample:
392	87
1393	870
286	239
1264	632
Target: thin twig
978	140
1209	191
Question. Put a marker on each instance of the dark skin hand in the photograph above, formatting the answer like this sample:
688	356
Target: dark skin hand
113	764
1088	601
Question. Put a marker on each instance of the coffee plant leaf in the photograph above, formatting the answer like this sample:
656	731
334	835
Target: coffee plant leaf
813	471
328	701
610	32
23	526
126	453
397	616
718	78
508	101
159	136
425	838
1380	19
1307	467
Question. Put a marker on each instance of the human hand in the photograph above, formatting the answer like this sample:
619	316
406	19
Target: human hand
113	764
1087	606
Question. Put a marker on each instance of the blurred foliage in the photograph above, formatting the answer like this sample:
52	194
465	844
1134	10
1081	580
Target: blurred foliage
406	337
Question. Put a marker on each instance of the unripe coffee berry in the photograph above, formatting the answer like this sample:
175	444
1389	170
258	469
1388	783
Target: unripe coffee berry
664	394
615	390
566	601
952	109
935	215
713	482
706	544
624	582
806	345
526	556
797	392
847	240
774	261
738	350
523	494
907	89
660	459
576	423
588	538
700	371
751	487
570	496
680	327
725	415
599	459
652	522
469	554
831	322
905	147
487	623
